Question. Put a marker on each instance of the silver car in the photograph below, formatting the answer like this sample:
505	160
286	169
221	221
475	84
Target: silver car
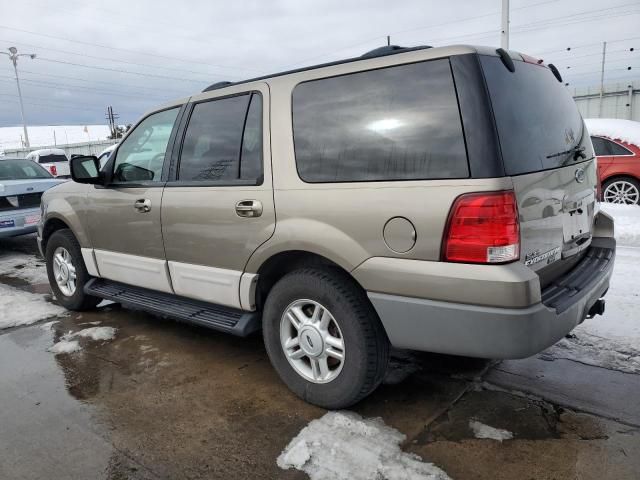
21	186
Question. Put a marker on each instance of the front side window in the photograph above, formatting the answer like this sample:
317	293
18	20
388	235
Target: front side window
223	141
141	155
397	123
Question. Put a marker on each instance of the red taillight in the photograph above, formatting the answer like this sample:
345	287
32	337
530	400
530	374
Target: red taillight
483	228
53	170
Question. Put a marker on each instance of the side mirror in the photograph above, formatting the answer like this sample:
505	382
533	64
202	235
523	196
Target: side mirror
85	169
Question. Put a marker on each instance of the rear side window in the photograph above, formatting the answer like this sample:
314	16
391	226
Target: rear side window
223	141
604	147
538	121
396	123
52	158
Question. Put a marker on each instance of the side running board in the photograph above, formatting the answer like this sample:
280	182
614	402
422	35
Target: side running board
217	317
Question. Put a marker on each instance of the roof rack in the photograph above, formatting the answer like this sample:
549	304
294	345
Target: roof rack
376	52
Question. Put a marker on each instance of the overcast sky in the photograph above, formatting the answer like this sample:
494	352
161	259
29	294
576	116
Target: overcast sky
134	55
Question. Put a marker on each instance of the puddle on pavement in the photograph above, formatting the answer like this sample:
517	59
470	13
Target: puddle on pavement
170	400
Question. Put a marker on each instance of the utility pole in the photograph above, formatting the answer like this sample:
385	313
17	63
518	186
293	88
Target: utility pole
388	40
13	56
604	54
111	117
504	36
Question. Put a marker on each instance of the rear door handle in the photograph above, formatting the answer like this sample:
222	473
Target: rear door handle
143	205
249	208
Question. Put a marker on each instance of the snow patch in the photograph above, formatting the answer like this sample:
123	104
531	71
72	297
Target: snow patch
24	308
26	267
480	430
65	346
344	446
627	223
98	334
615	128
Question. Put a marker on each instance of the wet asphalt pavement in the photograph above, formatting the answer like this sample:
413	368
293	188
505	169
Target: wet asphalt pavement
165	400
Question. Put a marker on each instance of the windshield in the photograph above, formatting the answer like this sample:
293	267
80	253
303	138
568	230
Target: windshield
21	170
54	158
538	122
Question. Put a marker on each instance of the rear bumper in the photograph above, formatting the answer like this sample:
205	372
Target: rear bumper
16	222
493	332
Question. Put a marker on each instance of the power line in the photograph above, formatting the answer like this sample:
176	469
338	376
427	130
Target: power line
117	70
67	52
584	45
89	89
111	84
136	52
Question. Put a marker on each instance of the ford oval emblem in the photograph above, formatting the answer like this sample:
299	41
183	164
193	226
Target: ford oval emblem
29	189
580	175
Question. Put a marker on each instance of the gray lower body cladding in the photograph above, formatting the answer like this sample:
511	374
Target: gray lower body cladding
491	332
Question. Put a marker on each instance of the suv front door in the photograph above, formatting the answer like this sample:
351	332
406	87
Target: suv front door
217	207
124	216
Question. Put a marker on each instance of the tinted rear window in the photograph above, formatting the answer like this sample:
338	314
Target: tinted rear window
396	123
537	119
52	158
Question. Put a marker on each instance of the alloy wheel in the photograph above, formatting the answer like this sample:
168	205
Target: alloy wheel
64	271
622	192
312	341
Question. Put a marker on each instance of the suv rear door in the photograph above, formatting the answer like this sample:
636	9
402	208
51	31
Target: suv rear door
547	152
218	206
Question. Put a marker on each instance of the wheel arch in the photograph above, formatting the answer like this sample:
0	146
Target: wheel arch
52	225
619	176
282	263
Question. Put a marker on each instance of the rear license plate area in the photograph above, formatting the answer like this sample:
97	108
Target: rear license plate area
576	224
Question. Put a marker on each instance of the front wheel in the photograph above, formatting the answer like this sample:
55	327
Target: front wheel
324	338
623	190
67	272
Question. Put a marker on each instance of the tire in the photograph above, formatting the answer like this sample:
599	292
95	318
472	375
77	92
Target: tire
354	321
61	241
621	190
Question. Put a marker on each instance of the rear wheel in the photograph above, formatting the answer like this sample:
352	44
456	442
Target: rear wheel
324	338
67	272
622	190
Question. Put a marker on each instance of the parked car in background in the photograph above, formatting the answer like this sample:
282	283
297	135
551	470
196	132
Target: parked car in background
52	159
105	154
617	145
21	187
435	199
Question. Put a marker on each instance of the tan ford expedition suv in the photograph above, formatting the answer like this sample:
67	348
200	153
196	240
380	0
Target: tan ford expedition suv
435	199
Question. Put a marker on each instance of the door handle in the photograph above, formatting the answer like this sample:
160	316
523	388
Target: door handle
249	208
143	205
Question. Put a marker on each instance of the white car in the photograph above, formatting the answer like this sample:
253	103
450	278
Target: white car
54	160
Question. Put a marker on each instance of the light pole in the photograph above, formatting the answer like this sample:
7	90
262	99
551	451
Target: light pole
13	56
504	35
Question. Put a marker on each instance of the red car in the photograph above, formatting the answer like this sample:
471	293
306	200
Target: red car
618	160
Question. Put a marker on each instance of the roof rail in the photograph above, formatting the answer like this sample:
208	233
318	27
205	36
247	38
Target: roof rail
217	85
390	50
377	52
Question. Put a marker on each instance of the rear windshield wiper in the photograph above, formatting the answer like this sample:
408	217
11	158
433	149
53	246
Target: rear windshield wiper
578	152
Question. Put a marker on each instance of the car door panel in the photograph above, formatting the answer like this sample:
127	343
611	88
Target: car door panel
124	223
207	242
